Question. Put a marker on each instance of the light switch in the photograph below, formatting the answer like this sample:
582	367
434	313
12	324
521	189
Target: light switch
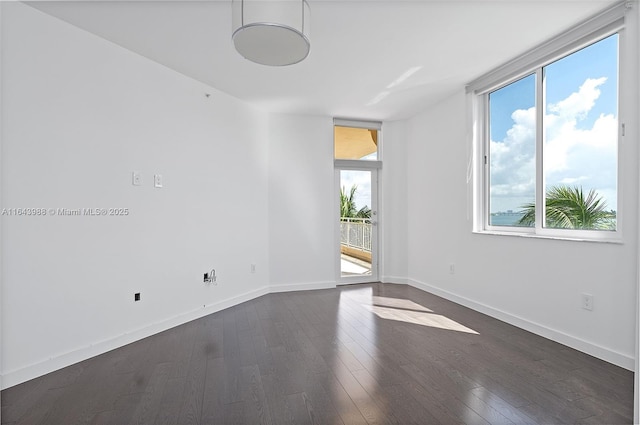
157	180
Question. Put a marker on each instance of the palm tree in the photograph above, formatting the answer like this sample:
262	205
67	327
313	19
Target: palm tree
348	205
568	208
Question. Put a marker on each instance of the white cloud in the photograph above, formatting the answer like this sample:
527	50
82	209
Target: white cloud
513	159
578	104
573	180
573	154
361	179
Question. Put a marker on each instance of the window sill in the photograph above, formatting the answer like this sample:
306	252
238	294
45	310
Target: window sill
616	240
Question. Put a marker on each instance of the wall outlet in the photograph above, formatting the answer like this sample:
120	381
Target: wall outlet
253	268
136	178
452	268
136	296
157	180
587	301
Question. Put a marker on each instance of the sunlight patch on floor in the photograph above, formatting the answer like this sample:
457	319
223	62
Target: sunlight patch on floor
398	303
403	310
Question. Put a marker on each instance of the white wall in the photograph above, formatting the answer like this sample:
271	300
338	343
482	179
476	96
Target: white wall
1	205
636	405
533	283
393	195
79	115
302	198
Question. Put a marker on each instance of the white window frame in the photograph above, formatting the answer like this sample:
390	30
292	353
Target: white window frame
607	23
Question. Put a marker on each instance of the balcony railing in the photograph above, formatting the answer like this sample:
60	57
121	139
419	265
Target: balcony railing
355	233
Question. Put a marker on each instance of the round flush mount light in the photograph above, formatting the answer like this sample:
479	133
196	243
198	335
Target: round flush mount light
271	32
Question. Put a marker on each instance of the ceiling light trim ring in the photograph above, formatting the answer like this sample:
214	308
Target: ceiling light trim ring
273	24
295	31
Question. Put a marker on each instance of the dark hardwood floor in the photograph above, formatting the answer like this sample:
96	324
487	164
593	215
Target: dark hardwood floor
366	354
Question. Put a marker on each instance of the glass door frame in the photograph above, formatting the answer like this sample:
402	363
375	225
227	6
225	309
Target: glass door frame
372	167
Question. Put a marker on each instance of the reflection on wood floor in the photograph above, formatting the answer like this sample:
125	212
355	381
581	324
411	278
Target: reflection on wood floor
365	354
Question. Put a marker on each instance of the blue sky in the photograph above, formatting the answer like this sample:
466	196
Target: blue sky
519	95
580	128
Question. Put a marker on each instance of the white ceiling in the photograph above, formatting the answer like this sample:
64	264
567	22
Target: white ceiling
360	50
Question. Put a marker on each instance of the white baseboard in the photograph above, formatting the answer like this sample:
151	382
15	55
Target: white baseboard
26	373
394	279
603	353
288	287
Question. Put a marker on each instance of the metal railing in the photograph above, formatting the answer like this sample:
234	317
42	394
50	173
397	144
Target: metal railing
356	233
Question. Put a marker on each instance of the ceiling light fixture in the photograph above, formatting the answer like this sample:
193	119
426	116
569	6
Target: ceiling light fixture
271	32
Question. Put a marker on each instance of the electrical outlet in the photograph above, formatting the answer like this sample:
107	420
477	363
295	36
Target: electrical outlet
136	178
136	296
587	301
452	268
157	180
253	268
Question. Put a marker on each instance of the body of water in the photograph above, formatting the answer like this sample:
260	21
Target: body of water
505	219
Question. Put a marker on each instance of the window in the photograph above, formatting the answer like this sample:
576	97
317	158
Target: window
511	151
355	143
546	129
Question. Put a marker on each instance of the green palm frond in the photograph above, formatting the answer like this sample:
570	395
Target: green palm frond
529	217
348	204
568	208
364	212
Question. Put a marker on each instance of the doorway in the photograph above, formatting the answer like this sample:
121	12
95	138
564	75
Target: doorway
358	242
